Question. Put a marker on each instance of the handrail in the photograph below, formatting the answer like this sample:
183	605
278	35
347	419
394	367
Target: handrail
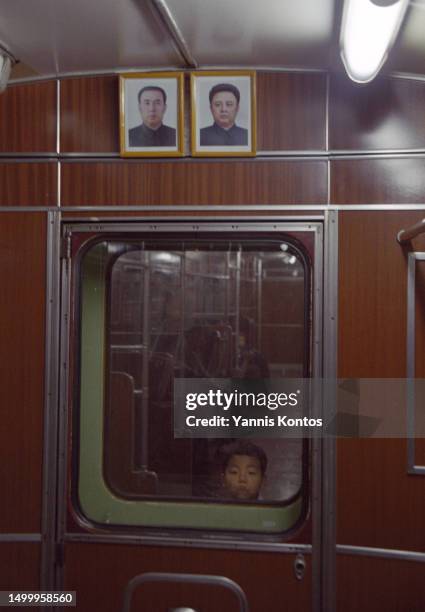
405	235
187	579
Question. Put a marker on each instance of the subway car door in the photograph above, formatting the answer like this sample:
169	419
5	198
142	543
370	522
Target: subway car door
147	521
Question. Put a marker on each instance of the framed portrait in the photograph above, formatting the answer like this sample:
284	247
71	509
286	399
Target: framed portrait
223	113
151	114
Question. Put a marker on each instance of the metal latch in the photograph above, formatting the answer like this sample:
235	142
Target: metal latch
299	567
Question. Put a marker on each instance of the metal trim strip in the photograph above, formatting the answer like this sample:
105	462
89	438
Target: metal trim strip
51	399
412	468
317	446
261	156
314	208
384	553
189	542
20	537
330	348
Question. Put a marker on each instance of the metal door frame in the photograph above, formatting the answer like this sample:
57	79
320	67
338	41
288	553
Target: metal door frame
322	547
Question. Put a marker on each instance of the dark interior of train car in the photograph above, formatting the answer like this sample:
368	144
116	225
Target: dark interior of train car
212	253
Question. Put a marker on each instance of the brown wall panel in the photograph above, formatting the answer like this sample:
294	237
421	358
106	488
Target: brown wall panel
372	585
89	115
379	504
267	579
167	183
385	114
291	111
372	293
28	184
22	302
20	566
375	494
28	118
378	181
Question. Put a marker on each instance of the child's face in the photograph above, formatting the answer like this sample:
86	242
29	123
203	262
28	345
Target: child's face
243	477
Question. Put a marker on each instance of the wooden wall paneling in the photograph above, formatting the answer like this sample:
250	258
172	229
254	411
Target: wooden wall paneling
28	118
386	114
378	503
378	181
89	115
20	566
291	111
372	292
179	183
22	302
28	184
371	584
268	579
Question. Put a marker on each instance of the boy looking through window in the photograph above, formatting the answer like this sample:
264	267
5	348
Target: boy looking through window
244	469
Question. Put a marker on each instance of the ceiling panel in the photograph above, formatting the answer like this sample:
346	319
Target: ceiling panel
53	37
409	53
264	33
60	36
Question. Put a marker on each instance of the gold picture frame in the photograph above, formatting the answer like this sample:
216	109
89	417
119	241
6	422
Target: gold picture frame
224	120
151	106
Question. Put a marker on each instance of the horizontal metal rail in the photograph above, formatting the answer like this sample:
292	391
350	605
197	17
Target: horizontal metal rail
405	235
195	579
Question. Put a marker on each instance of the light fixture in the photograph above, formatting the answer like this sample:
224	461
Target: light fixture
368	31
6	63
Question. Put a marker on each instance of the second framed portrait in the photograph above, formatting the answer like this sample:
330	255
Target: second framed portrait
223	113
151	114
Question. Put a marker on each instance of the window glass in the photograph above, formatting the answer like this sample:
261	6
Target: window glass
152	311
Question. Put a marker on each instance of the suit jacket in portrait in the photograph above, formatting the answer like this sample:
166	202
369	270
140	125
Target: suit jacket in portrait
142	136
214	135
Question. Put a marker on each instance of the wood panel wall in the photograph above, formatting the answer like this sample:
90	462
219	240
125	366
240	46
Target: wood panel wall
20	566
267	579
196	183
22	304
379	503
376	584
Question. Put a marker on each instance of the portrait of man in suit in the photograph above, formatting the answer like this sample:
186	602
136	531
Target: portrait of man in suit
223	113
151	114
152	103
224	101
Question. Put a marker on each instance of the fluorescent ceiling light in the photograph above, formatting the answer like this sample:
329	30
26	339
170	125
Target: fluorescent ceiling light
369	30
6	63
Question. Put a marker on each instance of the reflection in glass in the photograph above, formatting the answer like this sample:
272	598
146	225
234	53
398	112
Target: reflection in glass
207	310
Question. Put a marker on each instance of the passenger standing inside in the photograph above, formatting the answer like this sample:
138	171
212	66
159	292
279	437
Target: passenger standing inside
224	105
152	132
244	470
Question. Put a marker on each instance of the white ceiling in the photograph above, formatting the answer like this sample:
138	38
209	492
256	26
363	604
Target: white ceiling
53	37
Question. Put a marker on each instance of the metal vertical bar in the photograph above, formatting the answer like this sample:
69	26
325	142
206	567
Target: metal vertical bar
410	361
183	312
316	443
63	375
330	347
259	302
145	362
237	305
412	468
48	547
58	132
